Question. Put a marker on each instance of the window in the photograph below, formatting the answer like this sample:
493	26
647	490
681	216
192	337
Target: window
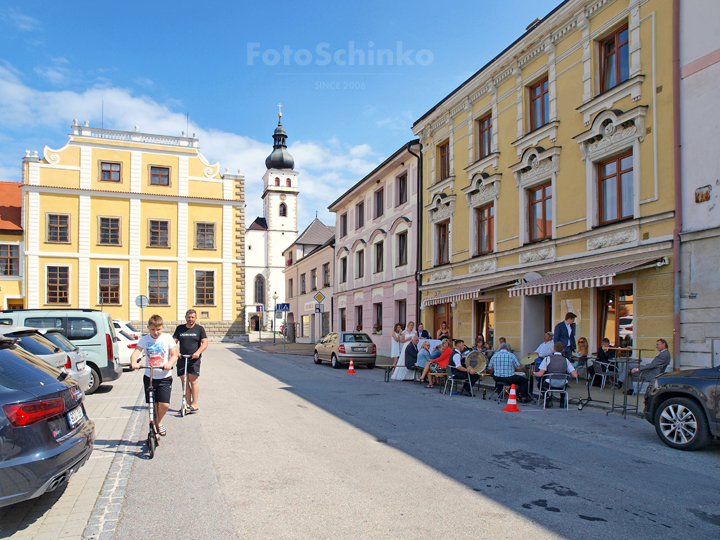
109	231
343	270
259	290
402	312
360	264
305	330
359	215
615	179
283	210
277	182
616	315
343	225
402	189
290	288
342	318
110	172
614	59
313	279
326	275
9	260
379	202
159	176
379	247
58	284
302	283
442	242
485	136
159	233
109	285
158	287
204	288
402	248
81	328
358	318
485	224
205	235
58	228
377	317
288	183
485	320
540	212
444	151
539	104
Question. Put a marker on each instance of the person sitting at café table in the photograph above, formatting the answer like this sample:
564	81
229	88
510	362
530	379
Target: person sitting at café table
547	347
439	365
443	332
458	360
555	363
648	372
423	356
504	342
581	356
422	333
504	367
605	355
479	345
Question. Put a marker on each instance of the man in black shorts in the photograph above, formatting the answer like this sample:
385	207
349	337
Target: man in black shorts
192	340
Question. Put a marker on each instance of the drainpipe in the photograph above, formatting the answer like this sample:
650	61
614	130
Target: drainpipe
678	181
418	252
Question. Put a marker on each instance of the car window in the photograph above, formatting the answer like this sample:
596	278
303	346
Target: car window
130	327
35	344
81	328
19	370
44	322
112	328
6	321
59	341
624	321
356	338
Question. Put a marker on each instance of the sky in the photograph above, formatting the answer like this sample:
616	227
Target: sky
352	78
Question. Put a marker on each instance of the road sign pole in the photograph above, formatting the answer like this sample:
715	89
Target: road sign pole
273	324
285	332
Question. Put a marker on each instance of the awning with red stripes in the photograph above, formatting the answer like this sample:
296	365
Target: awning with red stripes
466	293
597	276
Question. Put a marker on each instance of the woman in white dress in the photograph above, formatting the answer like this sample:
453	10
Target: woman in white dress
395	343
401	372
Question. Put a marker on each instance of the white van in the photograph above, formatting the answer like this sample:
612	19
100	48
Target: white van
89	329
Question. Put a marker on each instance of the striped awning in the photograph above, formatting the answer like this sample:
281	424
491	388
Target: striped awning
597	276
466	293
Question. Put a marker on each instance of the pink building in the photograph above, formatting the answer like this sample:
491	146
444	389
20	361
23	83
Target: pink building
376	247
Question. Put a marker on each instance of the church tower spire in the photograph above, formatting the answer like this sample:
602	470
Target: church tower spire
280	158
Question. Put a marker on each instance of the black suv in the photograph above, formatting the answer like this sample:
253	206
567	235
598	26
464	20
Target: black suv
684	406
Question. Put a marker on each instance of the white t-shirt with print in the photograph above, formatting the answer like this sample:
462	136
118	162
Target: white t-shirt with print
157	353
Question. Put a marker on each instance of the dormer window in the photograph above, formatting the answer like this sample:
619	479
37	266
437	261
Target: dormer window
288	183
277	182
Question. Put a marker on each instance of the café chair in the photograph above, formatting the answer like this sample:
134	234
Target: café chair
546	387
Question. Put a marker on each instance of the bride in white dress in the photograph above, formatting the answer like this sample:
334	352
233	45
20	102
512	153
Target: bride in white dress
395	343
401	372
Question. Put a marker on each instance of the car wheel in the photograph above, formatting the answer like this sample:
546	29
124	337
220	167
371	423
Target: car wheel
94	381
681	423
370	366
316	358
334	362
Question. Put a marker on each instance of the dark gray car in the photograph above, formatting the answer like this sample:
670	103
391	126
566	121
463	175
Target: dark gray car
45	434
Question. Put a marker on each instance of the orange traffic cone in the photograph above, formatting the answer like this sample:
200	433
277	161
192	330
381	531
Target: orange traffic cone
352	367
512	402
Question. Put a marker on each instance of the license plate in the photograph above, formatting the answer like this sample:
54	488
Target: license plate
76	416
358	349
80	366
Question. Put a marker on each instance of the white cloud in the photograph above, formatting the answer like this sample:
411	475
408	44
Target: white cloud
33	118
24	23
400	123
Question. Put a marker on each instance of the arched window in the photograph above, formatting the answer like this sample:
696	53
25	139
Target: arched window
277	182
259	290
288	183
283	210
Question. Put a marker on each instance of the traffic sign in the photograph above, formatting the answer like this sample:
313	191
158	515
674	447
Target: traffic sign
319	297
319	308
259	309
282	307
142	301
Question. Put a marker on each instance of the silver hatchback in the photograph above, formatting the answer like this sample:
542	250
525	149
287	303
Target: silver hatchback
339	348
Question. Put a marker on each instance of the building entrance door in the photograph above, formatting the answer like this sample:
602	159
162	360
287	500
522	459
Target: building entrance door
255	323
443	313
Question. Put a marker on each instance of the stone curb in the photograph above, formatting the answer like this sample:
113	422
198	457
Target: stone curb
103	520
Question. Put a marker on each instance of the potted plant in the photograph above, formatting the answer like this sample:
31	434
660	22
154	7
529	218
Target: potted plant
377	328
358	328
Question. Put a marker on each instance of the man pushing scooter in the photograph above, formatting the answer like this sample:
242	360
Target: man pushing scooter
193	341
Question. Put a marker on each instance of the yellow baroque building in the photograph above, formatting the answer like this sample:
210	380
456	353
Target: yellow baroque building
548	183
114	215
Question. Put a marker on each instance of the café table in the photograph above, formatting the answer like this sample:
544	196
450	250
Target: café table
623	356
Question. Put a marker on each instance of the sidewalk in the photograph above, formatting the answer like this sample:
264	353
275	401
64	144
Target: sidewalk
65	512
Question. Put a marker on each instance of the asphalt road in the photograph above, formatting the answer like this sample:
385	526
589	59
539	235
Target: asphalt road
282	448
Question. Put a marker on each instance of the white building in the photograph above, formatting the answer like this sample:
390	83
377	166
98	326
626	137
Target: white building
270	234
700	172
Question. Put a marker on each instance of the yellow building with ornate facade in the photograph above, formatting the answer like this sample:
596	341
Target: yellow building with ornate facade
113	215
548	185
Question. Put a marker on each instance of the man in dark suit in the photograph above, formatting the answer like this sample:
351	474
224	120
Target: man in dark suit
411	352
565	333
424	334
647	372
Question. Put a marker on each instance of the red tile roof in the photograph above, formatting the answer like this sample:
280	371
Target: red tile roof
10	203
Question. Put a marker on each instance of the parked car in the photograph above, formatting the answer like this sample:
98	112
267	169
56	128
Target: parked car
625	326
340	347
78	369
126	346
684	408
125	326
34	342
89	329
45	433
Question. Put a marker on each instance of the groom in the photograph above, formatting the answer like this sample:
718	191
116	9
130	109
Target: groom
411	352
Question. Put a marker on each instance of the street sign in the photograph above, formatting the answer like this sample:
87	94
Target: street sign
259	309
319	297
282	307
319	308
142	301
279	314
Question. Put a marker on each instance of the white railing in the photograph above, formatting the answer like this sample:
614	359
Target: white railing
134	137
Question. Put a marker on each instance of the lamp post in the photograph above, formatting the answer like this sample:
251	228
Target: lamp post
274	297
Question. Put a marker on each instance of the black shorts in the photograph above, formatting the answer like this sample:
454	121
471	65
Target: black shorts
193	367
162	389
